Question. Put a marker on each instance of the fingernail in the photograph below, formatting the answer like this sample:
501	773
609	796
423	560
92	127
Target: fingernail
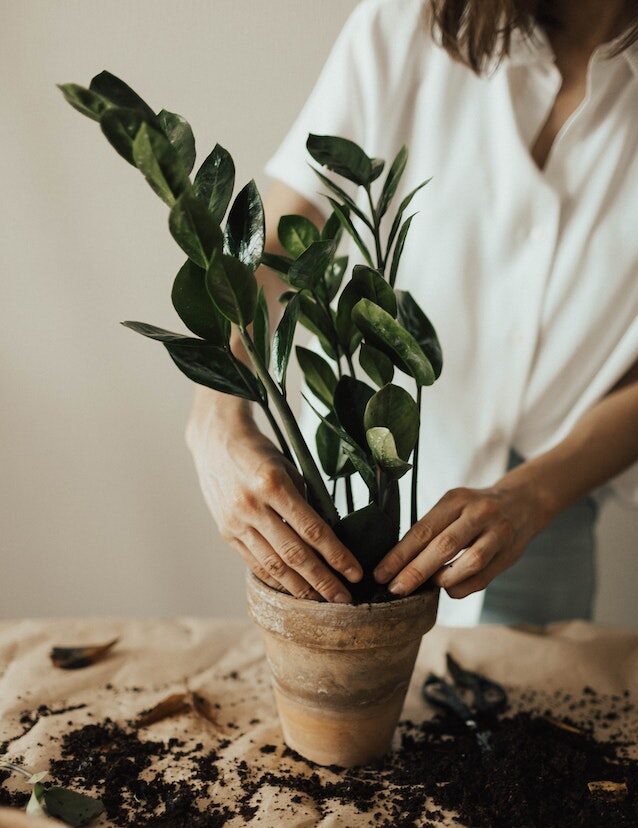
381	574
342	598
353	574
396	588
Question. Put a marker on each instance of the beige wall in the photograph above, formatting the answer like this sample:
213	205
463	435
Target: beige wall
100	510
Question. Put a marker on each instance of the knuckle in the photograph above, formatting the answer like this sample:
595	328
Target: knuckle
458	495
313	531
474	561
484	509
412	577
293	553
422	532
323	583
306	592
447	546
506	530
243	500
268	480
274	566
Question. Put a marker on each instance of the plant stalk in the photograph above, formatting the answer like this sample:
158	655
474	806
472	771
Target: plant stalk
349	496
376	232
308	466
415	464
285	448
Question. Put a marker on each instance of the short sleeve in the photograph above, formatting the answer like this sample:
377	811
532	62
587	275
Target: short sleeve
340	104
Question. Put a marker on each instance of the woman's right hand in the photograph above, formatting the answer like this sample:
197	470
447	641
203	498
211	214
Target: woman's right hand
256	498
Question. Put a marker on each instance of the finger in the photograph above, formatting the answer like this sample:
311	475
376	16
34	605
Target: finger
472	562
476	583
254	566
448	543
300	557
276	568
314	531
418	537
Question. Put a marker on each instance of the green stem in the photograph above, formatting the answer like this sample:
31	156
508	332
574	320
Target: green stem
285	448
415	464
308	466
349	497
376	232
351	366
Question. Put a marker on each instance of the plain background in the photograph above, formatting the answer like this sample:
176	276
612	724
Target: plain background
100	511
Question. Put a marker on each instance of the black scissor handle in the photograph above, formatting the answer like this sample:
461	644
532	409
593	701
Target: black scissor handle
488	695
440	693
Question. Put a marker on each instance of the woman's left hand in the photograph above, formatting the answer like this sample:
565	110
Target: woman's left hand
493	526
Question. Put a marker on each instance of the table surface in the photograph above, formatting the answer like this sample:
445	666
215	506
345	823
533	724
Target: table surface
224	661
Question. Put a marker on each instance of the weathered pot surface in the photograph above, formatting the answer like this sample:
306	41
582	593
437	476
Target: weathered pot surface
340	672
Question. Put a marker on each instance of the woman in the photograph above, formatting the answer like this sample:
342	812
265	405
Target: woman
525	256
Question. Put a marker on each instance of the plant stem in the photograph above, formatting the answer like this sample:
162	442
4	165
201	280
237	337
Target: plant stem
415	464
308	466
351	366
285	448
349	497
376	231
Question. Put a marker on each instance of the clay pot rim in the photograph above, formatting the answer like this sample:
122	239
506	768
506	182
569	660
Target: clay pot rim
306	604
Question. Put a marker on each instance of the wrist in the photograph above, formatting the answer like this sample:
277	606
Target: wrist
219	412
529	484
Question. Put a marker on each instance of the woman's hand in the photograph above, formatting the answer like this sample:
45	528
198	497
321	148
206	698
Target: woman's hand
255	496
493	526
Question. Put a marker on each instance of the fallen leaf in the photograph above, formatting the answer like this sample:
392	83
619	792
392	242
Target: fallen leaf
172	705
610	790
74	658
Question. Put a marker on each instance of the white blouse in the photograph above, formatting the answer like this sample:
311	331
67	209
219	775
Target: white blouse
530	277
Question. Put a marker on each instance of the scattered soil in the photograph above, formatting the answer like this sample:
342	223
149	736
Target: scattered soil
535	776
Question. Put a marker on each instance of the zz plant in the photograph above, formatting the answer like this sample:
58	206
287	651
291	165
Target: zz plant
368	427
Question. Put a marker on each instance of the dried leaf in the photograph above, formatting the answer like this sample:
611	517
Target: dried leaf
172	705
607	789
204	708
74	658
564	726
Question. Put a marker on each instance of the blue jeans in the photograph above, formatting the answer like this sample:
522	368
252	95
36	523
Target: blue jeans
555	579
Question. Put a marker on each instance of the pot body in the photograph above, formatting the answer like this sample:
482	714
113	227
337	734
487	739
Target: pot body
340	672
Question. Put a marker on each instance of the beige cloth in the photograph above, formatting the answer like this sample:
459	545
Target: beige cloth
163	656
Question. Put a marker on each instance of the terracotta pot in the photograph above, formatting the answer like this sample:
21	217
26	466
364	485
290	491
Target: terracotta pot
340	672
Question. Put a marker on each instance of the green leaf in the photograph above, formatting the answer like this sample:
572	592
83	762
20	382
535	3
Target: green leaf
195	307
369	534
333	276
366	283
86	101
314	319
417	323
396	224
204	363
385	454
120	94
349	202
156	159
376	364
330	450
343	157
351	397
392	181
386	334
194	229
245	228
398	248
333	228
233	288
180	135
261	328
283	339
35	805
280	264
393	408
344	218
120	126
319	376
308	270
72	808
296	234
214	182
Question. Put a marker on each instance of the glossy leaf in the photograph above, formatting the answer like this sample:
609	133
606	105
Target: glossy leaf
214	182
280	264
204	363
315	320
386	334
86	101
180	135
308	270
284	338
158	162
194	229
333	276
343	157
334	460
120	94
398	249
393	408
296	234
417	323
319	376
195	307
396	224
120	126
245	228
343	196
233	288
366	283
369	534
351	397
349	227
261	328
376	364
384	451
392	181
333	228
71	807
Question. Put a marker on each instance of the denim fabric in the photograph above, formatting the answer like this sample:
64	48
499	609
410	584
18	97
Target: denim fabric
555	579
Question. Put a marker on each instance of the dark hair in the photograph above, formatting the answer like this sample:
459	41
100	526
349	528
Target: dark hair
476	31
